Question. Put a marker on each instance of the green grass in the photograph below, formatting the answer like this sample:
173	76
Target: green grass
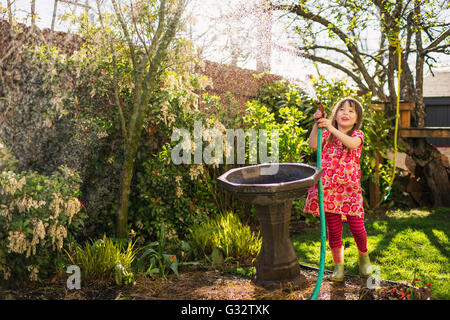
404	244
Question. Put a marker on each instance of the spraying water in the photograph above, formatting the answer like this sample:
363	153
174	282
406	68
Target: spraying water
305	86
264	55
248	34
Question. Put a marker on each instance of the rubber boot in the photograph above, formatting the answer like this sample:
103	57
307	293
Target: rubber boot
338	259
365	267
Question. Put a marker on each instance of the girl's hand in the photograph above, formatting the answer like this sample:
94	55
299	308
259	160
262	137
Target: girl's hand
318	115
324	123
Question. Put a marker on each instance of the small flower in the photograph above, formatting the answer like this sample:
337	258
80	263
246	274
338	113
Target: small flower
429	285
33	273
102	134
172	258
179	192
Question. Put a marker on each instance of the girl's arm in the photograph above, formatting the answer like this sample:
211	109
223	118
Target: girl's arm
349	142
312	141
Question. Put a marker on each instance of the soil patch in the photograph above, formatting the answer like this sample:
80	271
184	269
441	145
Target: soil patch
205	283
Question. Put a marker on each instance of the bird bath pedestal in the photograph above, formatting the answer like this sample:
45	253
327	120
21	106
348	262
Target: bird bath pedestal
272	195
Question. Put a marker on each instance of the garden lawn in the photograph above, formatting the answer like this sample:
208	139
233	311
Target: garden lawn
404	244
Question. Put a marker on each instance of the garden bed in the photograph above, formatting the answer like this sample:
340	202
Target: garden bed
205	283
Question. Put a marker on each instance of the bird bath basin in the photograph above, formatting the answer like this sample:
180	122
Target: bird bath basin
272	195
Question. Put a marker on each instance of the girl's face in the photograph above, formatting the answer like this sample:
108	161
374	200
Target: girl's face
346	117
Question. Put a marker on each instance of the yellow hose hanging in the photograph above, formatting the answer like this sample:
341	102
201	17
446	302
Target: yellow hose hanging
395	42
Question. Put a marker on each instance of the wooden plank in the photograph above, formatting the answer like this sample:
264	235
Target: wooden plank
406	105
427	132
405	118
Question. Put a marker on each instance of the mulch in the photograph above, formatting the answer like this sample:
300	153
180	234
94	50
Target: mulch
205	283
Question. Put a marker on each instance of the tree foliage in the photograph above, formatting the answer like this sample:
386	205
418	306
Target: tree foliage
137	36
415	29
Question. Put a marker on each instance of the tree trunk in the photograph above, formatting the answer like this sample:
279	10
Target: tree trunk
434	172
428	158
150	83
122	215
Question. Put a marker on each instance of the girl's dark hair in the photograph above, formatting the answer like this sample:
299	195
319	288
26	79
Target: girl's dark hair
356	105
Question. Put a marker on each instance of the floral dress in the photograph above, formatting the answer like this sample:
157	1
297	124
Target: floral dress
341	179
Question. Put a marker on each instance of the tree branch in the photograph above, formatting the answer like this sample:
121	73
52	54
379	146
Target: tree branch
154	71
325	48
339	67
119	16
300	11
438	40
115	78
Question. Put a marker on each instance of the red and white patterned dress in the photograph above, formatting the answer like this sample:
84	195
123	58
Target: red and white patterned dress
341	179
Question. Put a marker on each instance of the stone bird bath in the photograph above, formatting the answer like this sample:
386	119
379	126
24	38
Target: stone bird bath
277	265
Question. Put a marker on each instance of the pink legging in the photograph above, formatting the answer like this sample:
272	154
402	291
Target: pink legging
356	226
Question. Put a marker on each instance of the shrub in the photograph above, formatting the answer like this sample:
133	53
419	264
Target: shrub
293	146
281	94
44	107
105	259
39	216
59	112
176	196
282	105
7	160
226	233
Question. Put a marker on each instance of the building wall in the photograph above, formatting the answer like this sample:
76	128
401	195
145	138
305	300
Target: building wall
438	115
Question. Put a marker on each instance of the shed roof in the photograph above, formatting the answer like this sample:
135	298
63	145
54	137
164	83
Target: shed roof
437	85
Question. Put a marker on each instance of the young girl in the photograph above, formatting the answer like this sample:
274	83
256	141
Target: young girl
342	195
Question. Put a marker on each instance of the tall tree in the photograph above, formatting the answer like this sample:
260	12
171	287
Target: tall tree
339	28
144	30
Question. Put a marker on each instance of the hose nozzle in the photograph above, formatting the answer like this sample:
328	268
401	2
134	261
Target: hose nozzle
320	107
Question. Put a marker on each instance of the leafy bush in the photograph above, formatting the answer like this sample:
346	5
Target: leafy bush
282	105
176	196
59	112
43	106
293	144
227	234
39	216
105	259
7	160
281	94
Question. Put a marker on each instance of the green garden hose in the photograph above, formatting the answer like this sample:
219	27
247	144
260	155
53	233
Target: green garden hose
323	231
